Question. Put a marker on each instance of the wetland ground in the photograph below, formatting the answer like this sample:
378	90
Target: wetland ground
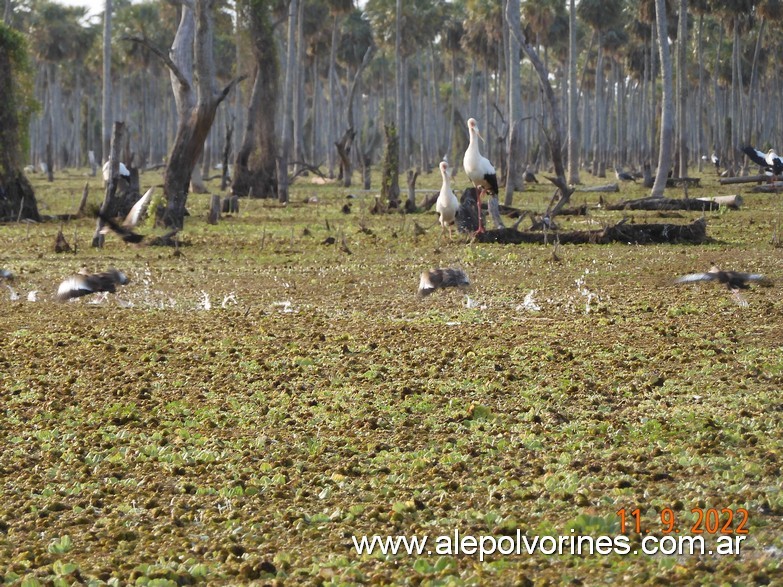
249	403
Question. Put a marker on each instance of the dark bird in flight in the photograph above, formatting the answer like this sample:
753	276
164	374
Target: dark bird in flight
441	278
624	175
734	280
84	284
123	231
6	274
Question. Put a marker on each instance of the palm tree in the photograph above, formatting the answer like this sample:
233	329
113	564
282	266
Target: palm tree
573	123
106	117
17	199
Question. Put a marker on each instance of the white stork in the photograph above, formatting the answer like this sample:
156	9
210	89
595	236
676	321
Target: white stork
107	171
84	284
770	160
447	203
478	169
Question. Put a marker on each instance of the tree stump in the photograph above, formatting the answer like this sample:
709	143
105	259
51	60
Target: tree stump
214	210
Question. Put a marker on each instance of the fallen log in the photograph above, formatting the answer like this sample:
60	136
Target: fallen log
747	179
622	232
734	201
609	187
664	204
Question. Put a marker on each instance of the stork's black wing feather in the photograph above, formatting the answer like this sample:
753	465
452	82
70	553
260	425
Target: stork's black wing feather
127	235
756	156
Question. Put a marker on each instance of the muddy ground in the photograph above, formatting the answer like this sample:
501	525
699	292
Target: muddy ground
252	401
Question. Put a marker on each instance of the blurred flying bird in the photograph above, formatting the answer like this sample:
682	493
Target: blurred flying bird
441	278
770	161
623	175
124	233
734	280
84	284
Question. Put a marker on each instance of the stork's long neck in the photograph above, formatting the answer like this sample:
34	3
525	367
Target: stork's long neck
446	180
473	150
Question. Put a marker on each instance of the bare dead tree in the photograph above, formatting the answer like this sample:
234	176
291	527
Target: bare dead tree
191	59
554	134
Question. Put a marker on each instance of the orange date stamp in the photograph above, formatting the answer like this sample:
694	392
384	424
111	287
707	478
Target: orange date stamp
702	521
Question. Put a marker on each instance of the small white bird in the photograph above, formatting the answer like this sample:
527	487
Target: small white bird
447	203
84	284
107	171
478	169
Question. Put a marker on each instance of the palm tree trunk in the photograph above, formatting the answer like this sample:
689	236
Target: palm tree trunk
288	91
667	118
573	121
106	118
682	81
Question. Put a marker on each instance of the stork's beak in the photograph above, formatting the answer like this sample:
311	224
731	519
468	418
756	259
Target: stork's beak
478	134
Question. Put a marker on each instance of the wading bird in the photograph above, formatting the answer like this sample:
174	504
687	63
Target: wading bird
715	161
447	203
107	171
84	284
441	278
478	169
770	162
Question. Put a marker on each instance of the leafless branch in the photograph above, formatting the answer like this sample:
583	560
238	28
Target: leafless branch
165	58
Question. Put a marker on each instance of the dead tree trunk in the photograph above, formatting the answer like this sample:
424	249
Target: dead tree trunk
226	152
109	205
214	210
83	202
555	134
344	152
255	163
345	143
191	59
390	182
410	203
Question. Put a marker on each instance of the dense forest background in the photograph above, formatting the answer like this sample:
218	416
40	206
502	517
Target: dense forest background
338	73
